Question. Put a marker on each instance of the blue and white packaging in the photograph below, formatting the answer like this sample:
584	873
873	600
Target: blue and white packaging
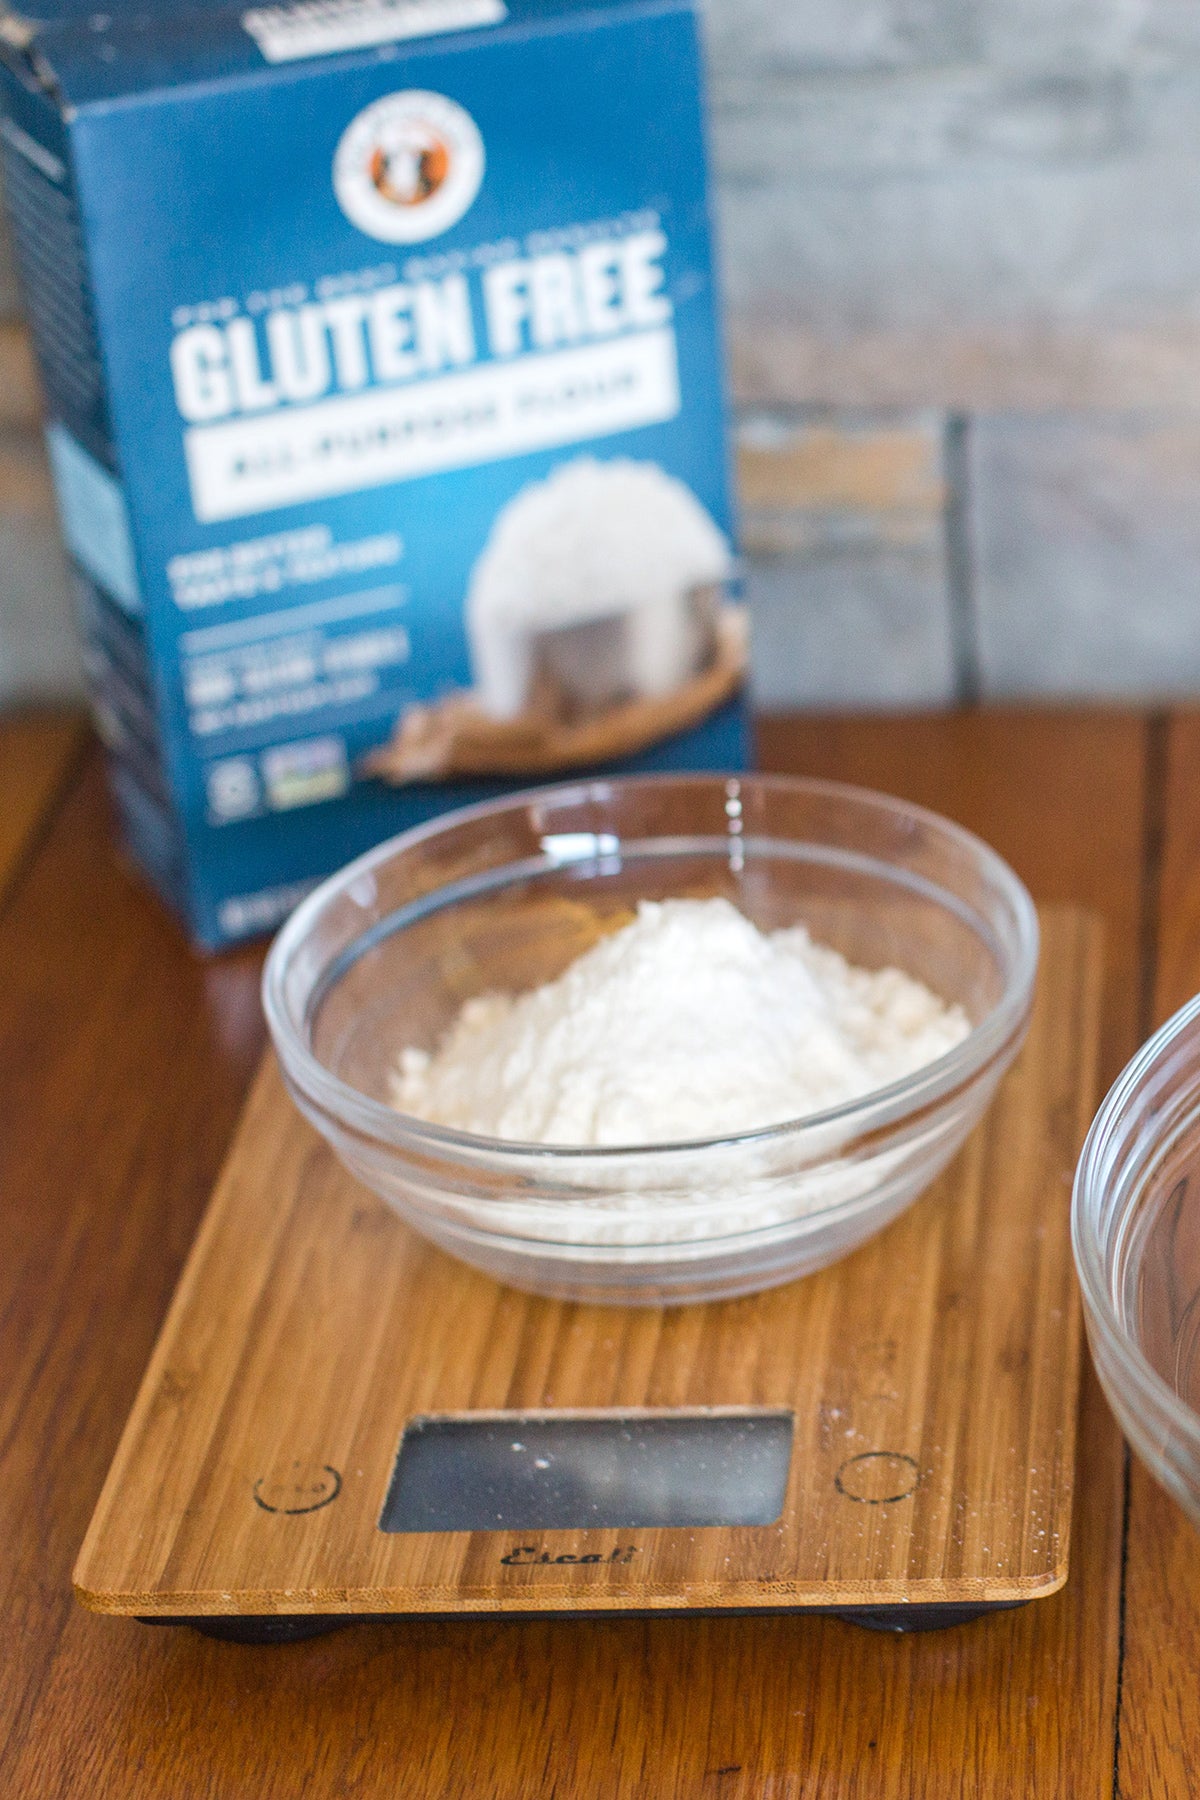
385	411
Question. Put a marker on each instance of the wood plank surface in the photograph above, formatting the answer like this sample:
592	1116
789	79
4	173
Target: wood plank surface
122	1064
1160	1695
946	1350
36	752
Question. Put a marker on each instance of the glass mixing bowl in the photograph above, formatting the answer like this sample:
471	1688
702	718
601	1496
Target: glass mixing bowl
504	896
1135	1222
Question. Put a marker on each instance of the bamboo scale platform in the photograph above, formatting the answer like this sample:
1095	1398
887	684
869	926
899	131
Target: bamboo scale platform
932	1376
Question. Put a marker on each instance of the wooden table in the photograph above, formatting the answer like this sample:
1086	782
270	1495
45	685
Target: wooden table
123	1062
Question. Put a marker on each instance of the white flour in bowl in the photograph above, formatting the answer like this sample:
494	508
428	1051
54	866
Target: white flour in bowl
687	1023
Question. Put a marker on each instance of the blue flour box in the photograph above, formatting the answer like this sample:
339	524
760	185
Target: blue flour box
385	411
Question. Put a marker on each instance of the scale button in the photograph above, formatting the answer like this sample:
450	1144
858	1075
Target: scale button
877	1477
297	1487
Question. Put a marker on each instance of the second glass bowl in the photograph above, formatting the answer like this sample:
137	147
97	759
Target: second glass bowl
1135	1222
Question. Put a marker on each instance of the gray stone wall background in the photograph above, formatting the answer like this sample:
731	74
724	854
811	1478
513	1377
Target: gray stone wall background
960	243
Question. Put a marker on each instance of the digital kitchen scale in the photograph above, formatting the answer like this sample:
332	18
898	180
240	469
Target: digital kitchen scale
340	1422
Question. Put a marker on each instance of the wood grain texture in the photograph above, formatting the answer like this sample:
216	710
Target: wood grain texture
946	1348
123	1062
1160	1711
115	1008
36	752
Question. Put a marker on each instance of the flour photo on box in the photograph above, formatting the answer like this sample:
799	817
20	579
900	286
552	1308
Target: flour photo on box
598	621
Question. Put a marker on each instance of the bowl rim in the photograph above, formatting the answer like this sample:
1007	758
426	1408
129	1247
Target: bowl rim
375	1119
1090	1257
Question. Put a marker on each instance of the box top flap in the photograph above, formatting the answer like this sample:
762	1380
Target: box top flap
83	56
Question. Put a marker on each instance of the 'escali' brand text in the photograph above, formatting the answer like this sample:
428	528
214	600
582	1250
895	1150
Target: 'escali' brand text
527	1554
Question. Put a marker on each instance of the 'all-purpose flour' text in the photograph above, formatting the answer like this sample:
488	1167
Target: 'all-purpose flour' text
360	389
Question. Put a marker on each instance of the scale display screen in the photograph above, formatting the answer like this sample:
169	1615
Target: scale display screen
564	1471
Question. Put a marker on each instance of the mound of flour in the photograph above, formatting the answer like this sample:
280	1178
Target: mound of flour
592	538
687	1023
618	541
